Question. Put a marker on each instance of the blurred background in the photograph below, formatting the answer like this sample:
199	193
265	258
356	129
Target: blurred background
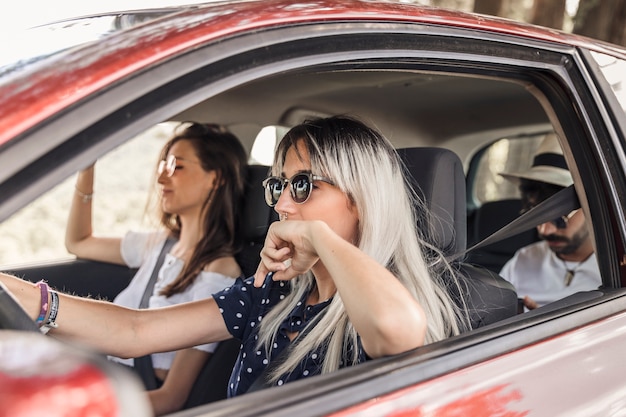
599	19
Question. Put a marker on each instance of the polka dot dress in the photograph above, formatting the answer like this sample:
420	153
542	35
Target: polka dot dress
243	307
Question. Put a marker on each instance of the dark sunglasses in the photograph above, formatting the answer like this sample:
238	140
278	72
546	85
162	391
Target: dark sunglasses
300	187
559	222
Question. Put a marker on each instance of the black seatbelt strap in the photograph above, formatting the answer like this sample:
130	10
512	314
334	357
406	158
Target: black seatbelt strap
557	205
143	365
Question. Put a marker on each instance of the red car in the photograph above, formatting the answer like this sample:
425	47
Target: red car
486	89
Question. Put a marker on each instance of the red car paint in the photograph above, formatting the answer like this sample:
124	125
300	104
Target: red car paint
511	384
39	378
82	392
29	99
569	370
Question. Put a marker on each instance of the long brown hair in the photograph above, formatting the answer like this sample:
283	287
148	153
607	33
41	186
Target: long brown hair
220	151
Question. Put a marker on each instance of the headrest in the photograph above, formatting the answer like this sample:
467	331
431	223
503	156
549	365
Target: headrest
438	175
257	215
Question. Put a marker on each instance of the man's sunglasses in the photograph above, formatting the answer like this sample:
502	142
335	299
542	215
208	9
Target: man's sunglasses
559	222
300	187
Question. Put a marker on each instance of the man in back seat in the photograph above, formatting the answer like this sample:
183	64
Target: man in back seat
563	262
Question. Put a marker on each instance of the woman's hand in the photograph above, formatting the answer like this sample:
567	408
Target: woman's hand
288	251
530	304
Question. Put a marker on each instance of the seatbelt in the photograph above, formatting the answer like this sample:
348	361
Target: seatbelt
143	365
557	205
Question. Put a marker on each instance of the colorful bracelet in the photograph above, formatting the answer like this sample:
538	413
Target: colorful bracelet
43	311
54	310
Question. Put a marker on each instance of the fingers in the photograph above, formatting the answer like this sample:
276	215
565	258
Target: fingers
530	303
286	274
285	253
272	260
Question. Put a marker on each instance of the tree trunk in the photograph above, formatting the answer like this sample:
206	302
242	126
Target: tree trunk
548	13
490	7
602	19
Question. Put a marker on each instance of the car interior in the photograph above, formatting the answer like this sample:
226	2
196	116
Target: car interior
455	127
437	172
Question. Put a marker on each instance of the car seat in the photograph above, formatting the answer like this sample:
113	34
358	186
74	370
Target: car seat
437	174
490	217
212	382
257	216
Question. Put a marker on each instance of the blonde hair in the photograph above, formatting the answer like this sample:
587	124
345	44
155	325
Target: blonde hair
365	166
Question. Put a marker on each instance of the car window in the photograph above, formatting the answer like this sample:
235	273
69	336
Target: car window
614	70
277	70
264	144
123	182
503	155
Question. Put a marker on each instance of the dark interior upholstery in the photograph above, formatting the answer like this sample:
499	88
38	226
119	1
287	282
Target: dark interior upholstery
212	382
490	217
438	174
257	217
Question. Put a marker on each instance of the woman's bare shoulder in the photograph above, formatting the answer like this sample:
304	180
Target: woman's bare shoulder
227	266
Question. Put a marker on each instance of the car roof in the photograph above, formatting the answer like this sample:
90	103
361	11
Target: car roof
37	91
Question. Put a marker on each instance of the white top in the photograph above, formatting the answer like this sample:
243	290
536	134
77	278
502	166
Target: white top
537	272
141	250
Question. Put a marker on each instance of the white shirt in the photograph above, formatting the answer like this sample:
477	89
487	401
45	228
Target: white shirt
141	250
537	272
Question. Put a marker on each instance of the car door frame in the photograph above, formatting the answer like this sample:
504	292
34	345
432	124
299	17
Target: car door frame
158	93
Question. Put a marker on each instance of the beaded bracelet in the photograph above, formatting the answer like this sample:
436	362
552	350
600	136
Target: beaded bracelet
43	311
54	310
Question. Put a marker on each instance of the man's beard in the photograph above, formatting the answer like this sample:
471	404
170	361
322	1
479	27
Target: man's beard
573	243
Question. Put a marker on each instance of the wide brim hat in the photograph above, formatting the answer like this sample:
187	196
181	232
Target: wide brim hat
549	165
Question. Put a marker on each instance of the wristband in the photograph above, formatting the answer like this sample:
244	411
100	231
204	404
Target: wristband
54	310
43	311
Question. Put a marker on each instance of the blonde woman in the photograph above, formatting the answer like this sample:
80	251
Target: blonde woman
343	276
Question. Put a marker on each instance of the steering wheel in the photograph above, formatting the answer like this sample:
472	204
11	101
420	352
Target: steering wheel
12	315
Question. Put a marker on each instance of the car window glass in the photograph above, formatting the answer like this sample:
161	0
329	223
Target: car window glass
614	70
123	183
503	155
264	144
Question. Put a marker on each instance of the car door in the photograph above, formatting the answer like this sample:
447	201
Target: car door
560	92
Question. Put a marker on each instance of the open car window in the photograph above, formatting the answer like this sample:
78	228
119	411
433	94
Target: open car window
487	96
123	186
504	155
